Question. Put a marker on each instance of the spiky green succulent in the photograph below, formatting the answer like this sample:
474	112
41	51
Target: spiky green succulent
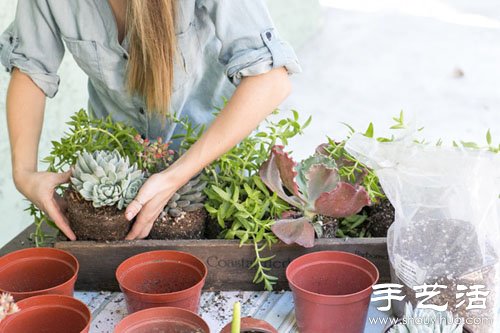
427	321
106	178
188	198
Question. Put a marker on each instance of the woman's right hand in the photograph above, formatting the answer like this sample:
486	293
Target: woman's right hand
39	188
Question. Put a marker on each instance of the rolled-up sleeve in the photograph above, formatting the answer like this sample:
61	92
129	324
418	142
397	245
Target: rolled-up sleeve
250	42
33	45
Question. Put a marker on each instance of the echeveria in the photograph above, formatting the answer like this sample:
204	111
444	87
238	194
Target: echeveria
106	179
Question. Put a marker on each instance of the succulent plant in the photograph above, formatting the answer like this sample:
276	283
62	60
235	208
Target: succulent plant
7	305
106	178
188	198
315	188
427	321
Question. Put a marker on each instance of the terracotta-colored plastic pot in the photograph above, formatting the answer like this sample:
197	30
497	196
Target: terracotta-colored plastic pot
38	271
163	319
249	324
162	279
331	291
48	313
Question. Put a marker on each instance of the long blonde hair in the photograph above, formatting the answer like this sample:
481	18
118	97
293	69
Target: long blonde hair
150	71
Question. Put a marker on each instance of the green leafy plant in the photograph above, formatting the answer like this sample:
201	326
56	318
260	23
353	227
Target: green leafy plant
426	320
239	201
106	179
314	187
85	134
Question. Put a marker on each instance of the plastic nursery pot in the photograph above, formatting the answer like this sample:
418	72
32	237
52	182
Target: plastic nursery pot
162	278
164	319
331	291
38	271
48	313
249	324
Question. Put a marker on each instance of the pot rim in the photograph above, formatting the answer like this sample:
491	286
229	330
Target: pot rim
37	250
332	297
119	278
161	312
53	300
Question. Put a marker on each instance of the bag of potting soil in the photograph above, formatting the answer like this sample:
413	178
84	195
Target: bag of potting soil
445	242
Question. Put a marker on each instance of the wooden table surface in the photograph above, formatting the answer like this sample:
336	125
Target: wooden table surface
215	307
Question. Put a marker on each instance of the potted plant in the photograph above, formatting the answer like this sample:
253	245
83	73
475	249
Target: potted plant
52	313
426	320
246	324
110	161
7	305
331	291
103	183
241	208
38	271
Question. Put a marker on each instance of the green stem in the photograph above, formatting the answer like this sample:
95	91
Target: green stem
103	131
236	324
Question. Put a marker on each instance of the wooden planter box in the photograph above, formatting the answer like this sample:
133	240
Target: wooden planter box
227	262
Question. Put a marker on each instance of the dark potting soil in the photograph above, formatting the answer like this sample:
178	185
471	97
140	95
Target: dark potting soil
379	218
330	226
98	224
189	225
446	252
163	277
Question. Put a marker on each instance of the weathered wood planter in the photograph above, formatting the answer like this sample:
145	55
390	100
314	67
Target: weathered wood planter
227	262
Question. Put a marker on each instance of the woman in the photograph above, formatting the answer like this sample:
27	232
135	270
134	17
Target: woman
146	60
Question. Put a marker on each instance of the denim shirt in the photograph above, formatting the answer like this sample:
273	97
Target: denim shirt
219	43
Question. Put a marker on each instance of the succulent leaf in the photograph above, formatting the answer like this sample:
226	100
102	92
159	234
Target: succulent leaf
188	198
278	171
298	231
345	200
106	179
319	175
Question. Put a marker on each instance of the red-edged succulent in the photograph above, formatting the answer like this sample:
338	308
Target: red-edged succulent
314	187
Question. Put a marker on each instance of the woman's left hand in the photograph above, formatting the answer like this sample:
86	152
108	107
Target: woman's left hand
149	203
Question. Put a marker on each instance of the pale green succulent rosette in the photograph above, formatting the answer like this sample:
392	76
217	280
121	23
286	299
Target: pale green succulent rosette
106	179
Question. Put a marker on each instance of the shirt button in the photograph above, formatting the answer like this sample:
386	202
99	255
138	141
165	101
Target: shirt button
141	110
125	56
268	35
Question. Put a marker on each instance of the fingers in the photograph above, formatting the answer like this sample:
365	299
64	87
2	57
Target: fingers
55	213
144	222
133	208
63	177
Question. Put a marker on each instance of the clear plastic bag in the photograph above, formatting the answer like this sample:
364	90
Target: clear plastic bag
447	224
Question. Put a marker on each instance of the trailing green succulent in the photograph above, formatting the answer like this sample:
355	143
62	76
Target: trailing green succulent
314	187
239	201
427	321
7	305
106	179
